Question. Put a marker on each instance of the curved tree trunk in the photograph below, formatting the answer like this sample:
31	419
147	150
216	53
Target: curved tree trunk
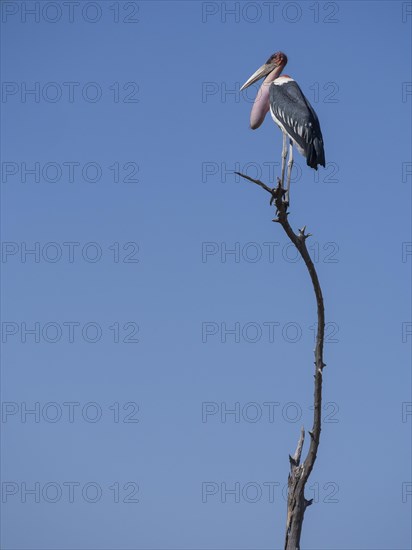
300	472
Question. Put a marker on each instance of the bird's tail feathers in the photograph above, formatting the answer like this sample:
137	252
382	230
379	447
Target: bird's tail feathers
315	154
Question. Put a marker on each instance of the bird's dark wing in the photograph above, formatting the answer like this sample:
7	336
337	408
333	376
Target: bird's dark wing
297	116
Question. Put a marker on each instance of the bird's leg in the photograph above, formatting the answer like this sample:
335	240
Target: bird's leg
284	155
290	164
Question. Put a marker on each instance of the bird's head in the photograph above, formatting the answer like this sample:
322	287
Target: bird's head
274	64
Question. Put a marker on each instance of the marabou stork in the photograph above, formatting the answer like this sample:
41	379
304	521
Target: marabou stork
291	111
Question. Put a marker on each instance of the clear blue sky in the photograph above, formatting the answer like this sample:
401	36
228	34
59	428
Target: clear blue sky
132	132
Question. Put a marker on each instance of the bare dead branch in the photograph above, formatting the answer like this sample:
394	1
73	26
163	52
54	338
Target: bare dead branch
295	459
299	473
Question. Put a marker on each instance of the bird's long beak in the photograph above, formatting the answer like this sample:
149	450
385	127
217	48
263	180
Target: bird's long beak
264	70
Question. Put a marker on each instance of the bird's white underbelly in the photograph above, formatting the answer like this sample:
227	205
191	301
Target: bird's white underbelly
279	123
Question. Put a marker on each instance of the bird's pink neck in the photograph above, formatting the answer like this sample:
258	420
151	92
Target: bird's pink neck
261	105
